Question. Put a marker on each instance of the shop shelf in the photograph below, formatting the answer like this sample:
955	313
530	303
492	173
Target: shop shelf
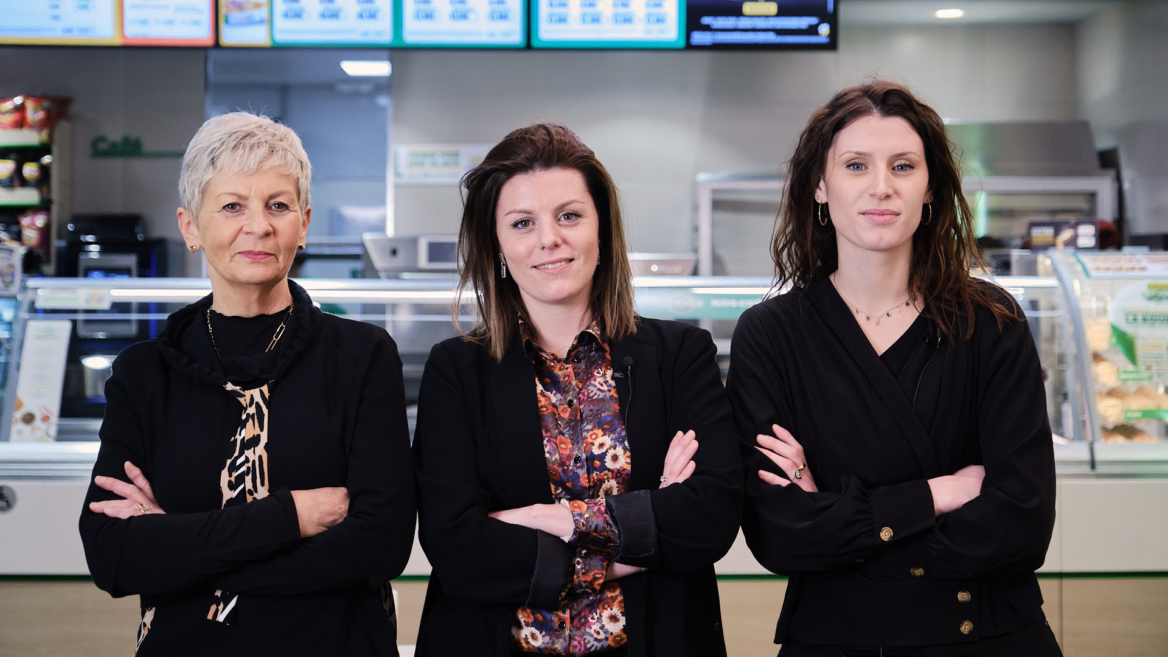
21	139
20	197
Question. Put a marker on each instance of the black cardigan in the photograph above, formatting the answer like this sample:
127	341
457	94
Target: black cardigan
871	440
337	419
479	448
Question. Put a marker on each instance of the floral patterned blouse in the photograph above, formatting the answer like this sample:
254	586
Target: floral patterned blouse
587	459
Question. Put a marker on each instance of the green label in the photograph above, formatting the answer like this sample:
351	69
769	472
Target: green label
1149	414
1134	375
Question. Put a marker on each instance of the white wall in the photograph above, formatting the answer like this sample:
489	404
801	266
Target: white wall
154	94
1121	62
656	119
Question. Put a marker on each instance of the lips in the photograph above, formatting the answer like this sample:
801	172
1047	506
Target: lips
256	255
881	216
553	265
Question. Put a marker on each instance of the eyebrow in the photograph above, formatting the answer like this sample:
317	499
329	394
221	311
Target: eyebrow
526	211
867	154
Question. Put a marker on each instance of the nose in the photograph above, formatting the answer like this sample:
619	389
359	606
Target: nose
550	235
882	184
256	221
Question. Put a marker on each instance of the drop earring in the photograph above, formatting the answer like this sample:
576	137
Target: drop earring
503	265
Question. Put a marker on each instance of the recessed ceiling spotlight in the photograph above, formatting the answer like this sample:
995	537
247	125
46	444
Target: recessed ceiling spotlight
949	13
360	68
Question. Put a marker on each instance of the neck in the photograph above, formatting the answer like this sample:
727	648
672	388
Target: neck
873	280
250	300
555	327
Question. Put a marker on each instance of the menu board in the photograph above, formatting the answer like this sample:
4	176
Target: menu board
463	22
108	22
332	22
168	23
608	23
762	24
80	22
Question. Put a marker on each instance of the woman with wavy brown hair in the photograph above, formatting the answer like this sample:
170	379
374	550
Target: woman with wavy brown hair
901	470
577	465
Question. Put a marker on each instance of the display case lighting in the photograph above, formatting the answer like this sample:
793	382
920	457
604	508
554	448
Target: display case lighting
366	68
949	13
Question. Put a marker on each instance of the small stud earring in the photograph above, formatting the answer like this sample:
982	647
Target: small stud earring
301	246
194	248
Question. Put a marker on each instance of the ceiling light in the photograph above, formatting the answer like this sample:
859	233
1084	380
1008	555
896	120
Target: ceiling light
361	68
940	13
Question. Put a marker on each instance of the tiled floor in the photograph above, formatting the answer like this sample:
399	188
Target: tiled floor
1113	616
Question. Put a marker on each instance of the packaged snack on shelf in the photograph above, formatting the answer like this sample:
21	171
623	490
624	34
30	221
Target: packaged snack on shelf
8	177
34	230
30	172
12	113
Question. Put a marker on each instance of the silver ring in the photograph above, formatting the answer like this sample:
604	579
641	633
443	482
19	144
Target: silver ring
662	478
799	471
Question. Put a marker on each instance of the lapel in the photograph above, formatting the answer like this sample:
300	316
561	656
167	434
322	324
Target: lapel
839	319
642	414
518	436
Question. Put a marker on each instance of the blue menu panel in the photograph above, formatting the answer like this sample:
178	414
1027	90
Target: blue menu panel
463	23
608	23
762	24
58	21
332	22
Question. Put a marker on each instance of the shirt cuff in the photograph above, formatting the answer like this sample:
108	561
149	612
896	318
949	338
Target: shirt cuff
590	569
553	560
592	525
901	510
636	528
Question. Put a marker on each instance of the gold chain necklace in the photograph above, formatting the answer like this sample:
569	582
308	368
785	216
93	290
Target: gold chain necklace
868	316
275	338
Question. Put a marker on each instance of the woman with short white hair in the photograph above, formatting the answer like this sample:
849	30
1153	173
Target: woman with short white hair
237	441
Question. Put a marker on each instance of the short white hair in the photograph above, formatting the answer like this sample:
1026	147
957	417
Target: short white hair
241	143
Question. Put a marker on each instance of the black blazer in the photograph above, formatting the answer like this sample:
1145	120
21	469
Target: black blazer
479	448
869	563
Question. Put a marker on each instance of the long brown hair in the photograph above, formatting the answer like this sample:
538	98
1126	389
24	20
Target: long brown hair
943	250
538	148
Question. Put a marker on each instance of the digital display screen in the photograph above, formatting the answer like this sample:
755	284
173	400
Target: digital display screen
607	23
762	24
463	22
108	22
80	22
440	252
332	22
118	273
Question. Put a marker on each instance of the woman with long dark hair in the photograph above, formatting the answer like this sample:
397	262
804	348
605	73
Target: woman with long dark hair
577	464
900	467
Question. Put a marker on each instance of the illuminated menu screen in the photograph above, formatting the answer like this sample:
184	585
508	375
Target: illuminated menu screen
320	22
608	23
762	24
173	22
463	22
58	21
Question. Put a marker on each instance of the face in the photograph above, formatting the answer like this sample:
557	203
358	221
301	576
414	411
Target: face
875	184
248	227
548	232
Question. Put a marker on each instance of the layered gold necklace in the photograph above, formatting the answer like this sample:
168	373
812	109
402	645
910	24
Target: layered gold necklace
867	315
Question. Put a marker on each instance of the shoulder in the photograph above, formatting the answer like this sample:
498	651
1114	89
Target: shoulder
137	369
358	343
986	318
668	335
458	353
771	315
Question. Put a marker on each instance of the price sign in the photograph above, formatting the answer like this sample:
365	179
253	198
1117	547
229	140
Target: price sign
609	24
339	22
75	22
168	22
463	22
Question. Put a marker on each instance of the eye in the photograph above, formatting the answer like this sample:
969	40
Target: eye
522	223
280	206
569	216
232	207
854	165
903	167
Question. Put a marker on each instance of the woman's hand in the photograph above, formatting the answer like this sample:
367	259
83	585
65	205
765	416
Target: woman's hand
618	570
555	519
138	496
951	492
679	464
787	453
320	508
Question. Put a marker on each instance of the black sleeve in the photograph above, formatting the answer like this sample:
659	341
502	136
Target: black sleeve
787	529
476	557
156	554
373	543
1008	526
691	524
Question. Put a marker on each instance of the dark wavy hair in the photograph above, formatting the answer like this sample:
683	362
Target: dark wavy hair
538	147
943	250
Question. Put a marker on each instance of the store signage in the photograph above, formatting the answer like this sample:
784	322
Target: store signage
463	22
42	373
72	298
1124	265
108	22
102	147
608	23
436	164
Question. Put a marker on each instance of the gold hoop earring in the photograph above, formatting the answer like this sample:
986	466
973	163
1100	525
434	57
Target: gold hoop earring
194	248
503	266
819	213
930	208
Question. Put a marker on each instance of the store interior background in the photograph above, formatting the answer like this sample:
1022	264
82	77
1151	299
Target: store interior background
656	120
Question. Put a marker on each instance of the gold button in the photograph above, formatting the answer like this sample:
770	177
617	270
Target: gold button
966	627
886	534
917	572
963	596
